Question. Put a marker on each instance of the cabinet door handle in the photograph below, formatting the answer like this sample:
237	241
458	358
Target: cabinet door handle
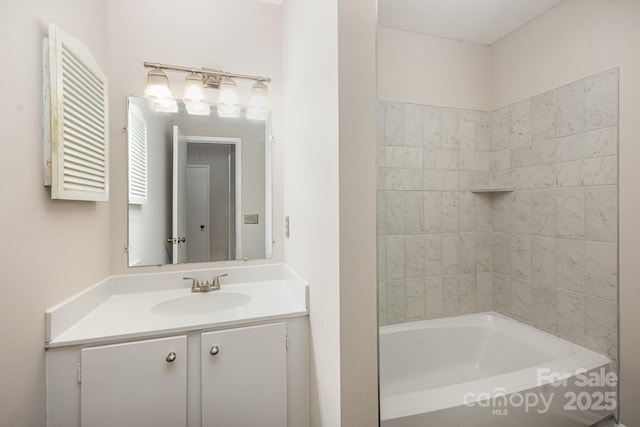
214	350
171	357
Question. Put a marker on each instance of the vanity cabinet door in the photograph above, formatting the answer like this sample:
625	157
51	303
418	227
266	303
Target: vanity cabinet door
244	377
138	384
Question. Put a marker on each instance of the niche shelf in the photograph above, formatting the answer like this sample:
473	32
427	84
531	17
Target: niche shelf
492	190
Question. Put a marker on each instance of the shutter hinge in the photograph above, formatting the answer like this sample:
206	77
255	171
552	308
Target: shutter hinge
79	373
287	345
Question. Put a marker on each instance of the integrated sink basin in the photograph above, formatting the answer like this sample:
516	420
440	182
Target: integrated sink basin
200	303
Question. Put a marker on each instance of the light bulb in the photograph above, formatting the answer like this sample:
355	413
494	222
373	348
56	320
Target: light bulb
259	106
228	100
193	89
158	92
157	85
194	99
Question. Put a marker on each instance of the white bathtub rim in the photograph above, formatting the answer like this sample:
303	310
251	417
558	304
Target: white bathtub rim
551	344
413	403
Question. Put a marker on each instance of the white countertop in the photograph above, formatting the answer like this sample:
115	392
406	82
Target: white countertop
124	315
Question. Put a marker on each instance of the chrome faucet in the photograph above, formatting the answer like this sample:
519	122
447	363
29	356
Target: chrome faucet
205	286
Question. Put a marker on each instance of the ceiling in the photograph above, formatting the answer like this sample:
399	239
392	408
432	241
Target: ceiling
476	21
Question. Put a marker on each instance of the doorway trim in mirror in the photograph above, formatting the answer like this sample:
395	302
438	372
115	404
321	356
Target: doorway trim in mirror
237	143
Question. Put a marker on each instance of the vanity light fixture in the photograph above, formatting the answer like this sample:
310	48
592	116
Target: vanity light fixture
198	79
259	105
158	92
194	99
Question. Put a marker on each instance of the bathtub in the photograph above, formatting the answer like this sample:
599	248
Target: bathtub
488	370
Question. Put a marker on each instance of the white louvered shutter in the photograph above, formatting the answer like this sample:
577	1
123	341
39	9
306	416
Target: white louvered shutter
79	121
137	128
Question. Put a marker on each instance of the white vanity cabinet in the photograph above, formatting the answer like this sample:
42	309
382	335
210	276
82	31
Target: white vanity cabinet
239	376
143	350
244	377
135	384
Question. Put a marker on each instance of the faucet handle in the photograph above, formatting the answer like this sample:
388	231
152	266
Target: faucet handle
215	284
195	286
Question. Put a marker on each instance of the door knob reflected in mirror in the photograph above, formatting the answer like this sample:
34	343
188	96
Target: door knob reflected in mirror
176	240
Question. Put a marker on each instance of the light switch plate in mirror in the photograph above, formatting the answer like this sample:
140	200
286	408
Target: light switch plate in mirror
251	219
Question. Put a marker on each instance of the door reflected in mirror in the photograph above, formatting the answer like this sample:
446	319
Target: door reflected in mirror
199	187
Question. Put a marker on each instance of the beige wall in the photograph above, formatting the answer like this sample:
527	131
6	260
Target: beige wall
51	249
575	39
421	69
236	35
311	168
330	153
357	171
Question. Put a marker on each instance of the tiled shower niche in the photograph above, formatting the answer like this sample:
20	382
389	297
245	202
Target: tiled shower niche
544	251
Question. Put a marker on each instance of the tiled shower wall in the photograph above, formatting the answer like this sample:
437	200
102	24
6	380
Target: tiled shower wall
555	236
434	235
544	253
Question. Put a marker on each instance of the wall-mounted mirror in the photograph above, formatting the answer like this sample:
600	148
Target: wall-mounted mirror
199	187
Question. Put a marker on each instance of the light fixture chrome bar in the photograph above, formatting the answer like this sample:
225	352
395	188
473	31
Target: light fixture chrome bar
208	72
